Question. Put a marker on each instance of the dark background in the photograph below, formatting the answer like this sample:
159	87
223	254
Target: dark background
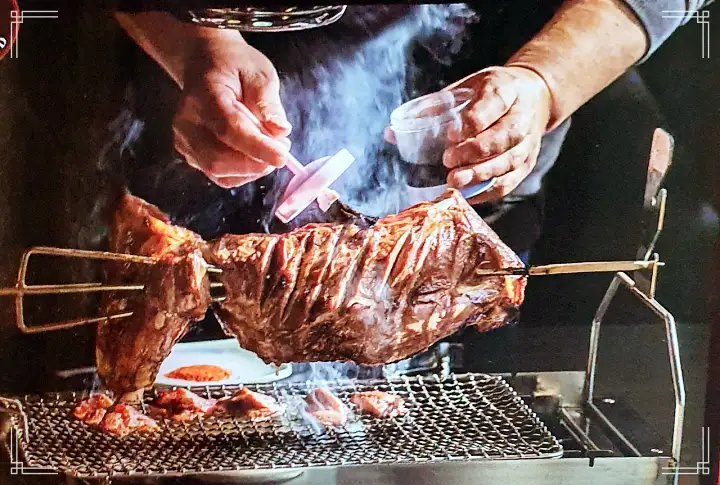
61	103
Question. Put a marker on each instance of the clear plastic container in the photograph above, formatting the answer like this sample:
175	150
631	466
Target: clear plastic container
421	126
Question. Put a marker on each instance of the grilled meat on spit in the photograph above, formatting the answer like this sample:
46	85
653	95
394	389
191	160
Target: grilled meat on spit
129	353
324	292
331	292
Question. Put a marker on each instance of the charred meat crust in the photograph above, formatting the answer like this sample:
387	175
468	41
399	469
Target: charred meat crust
325	292
177	293
371	295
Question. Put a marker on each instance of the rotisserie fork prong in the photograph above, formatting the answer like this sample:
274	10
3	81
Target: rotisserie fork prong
22	288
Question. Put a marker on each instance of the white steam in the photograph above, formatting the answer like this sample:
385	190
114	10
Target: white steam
344	93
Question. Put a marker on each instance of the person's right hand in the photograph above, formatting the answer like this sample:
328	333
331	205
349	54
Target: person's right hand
230	123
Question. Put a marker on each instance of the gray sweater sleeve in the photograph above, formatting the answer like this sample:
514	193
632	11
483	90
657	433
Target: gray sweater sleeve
660	18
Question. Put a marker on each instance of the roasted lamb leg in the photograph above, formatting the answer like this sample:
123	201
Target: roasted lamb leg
129	351
339	292
324	292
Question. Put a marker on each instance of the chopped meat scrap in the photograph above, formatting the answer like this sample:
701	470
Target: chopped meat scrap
92	410
249	405
379	404
124	419
326	408
180	405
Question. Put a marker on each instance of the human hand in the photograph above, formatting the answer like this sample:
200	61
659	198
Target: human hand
230	123
501	130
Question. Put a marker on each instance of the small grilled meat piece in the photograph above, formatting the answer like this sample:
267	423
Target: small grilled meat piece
247	404
332	292
379	404
329	418
92	410
129	351
180	405
124	419
326	408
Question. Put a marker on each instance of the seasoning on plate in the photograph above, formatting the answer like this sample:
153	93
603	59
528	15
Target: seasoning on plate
199	373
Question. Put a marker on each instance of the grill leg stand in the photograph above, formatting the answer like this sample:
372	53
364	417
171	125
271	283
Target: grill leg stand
673	353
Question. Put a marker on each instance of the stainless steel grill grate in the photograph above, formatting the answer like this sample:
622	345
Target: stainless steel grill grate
465	417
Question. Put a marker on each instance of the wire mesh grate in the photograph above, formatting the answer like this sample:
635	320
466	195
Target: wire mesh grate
461	417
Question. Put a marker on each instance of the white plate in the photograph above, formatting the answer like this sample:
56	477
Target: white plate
245	367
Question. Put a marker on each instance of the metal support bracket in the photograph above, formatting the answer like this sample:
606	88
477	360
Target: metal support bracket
643	286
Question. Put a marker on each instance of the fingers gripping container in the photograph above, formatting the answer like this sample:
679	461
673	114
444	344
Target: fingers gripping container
423	127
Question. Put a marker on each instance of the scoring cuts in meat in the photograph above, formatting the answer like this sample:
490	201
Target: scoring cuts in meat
324	292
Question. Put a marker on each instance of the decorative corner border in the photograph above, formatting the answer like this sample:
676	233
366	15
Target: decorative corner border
17	18
702	17
702	467
17	466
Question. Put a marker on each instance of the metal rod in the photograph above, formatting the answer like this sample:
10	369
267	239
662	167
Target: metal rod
675	366
616	432
86	254
69	323
589	386
672	347
66	289
661	203
571	268
99	255
580	435
22	288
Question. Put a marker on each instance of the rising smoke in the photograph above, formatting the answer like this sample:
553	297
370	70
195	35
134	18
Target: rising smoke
340	84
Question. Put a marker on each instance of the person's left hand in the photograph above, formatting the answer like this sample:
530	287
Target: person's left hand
501	130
